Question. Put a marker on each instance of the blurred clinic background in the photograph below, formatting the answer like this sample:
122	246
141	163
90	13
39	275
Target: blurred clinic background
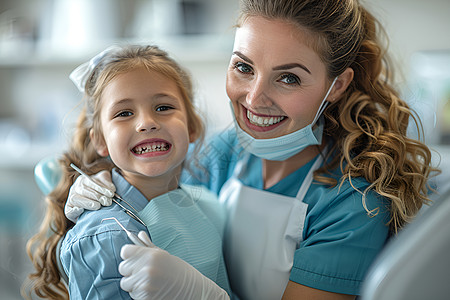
42	41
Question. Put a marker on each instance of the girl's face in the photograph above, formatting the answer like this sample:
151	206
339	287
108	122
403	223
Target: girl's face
275	81
145	126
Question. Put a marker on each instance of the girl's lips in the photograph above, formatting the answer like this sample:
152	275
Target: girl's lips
151	147
261	123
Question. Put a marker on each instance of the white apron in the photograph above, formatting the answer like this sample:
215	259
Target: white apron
263	231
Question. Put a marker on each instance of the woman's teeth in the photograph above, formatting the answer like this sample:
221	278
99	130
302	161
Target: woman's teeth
263	121
154	147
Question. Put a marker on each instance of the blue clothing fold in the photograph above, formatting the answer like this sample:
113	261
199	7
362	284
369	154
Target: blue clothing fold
90	251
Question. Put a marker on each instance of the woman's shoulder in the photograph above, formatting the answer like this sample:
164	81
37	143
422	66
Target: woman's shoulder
215	161
223	143
347	190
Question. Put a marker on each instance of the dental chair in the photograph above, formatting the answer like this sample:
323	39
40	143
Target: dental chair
414	265
47	174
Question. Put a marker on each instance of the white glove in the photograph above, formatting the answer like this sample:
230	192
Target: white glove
153	273
84	194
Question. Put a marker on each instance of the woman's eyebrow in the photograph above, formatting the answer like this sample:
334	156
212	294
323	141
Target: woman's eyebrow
291	66
243	57
277	68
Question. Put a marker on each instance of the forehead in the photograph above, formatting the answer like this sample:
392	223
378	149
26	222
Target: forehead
275	39
138	82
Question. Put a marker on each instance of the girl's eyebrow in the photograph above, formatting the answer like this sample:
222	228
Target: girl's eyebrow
120	102
126	101
277	68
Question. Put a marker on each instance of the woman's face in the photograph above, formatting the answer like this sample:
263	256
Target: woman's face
275	81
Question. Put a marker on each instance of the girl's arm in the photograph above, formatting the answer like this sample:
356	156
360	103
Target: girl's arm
90	260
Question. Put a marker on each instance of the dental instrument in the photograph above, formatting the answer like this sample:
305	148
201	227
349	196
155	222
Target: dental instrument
128	211
134	238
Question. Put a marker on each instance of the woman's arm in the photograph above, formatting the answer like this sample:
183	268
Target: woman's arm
295	291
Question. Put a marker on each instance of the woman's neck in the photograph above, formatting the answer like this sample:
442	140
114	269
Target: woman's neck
275	171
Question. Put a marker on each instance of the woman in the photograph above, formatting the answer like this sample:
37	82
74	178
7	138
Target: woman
320	171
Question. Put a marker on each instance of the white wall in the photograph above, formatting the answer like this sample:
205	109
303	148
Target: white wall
413	25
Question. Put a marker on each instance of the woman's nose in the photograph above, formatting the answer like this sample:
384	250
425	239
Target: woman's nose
258	95
147	123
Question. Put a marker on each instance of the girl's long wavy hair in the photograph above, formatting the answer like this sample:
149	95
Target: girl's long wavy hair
46	281
368	125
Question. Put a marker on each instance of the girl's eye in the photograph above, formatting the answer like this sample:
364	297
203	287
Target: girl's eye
243	67
290	79
123	114
164	108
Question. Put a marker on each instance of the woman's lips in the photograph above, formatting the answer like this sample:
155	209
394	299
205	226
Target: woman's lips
151	147
258	122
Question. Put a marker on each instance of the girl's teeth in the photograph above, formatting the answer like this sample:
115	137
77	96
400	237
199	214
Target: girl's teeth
156	147
263	121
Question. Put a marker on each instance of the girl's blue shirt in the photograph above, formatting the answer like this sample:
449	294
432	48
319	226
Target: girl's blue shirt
187	222
340	238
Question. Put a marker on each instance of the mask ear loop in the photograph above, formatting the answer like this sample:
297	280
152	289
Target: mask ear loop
324	103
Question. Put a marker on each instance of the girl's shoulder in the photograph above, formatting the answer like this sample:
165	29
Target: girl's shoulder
98	225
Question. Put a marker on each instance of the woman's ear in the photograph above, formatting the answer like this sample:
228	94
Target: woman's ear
341	84
99	144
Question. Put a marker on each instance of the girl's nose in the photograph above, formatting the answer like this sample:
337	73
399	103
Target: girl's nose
147	123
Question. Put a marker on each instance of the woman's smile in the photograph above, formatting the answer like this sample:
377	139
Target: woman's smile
260	122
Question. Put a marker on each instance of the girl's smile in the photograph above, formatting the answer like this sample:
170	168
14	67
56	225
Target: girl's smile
151	148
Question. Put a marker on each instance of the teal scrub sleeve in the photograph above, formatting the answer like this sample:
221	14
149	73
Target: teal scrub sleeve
91	264
213	165
340	240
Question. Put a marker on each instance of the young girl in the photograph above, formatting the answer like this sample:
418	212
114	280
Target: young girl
138	121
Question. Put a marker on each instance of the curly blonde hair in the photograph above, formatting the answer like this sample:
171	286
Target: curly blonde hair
368	125
46	281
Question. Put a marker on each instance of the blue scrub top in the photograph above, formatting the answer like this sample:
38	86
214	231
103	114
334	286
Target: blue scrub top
90	251
340	239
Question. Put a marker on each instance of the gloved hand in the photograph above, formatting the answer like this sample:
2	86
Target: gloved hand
84	194
153	273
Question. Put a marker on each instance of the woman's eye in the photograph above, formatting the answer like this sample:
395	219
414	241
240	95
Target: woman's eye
123	114
243	67
290	79
164	108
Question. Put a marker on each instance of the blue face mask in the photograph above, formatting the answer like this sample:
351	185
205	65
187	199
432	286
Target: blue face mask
286	146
